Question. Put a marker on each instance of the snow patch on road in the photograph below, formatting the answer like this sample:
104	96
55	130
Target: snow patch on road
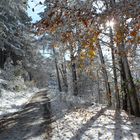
11	102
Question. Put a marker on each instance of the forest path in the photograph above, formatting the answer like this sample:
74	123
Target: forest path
47	117
96	123
30	123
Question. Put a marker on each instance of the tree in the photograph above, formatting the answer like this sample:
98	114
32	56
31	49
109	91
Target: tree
79	25
107	85
12	22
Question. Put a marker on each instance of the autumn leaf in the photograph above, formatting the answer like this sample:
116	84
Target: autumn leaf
94	39
119	37
85	22
82	55
133	33
91	53
97	33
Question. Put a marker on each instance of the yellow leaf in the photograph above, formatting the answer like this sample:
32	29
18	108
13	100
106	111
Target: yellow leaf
91	53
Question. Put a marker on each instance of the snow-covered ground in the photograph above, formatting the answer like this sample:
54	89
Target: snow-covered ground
28	123
96	123
89	122
73	119
11	101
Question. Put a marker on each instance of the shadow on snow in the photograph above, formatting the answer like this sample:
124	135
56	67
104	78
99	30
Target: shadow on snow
28	122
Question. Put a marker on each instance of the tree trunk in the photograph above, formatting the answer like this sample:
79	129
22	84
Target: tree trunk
124	87
74	74
107	85
132	91
132	95
98	86
114	71
64	76
57	71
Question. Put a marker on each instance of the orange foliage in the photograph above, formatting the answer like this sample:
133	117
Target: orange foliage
133	33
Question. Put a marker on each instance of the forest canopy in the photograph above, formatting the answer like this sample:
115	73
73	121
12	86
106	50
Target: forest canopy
83	27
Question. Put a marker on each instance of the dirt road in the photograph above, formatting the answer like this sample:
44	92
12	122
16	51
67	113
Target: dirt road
31	123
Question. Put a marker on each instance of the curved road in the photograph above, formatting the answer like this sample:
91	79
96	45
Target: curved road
31	123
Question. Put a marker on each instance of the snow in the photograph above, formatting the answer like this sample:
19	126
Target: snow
28	123
73	119
92	122
3	81
11	102
37	9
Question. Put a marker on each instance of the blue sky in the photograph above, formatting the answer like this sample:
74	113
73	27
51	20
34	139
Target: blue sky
37	9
